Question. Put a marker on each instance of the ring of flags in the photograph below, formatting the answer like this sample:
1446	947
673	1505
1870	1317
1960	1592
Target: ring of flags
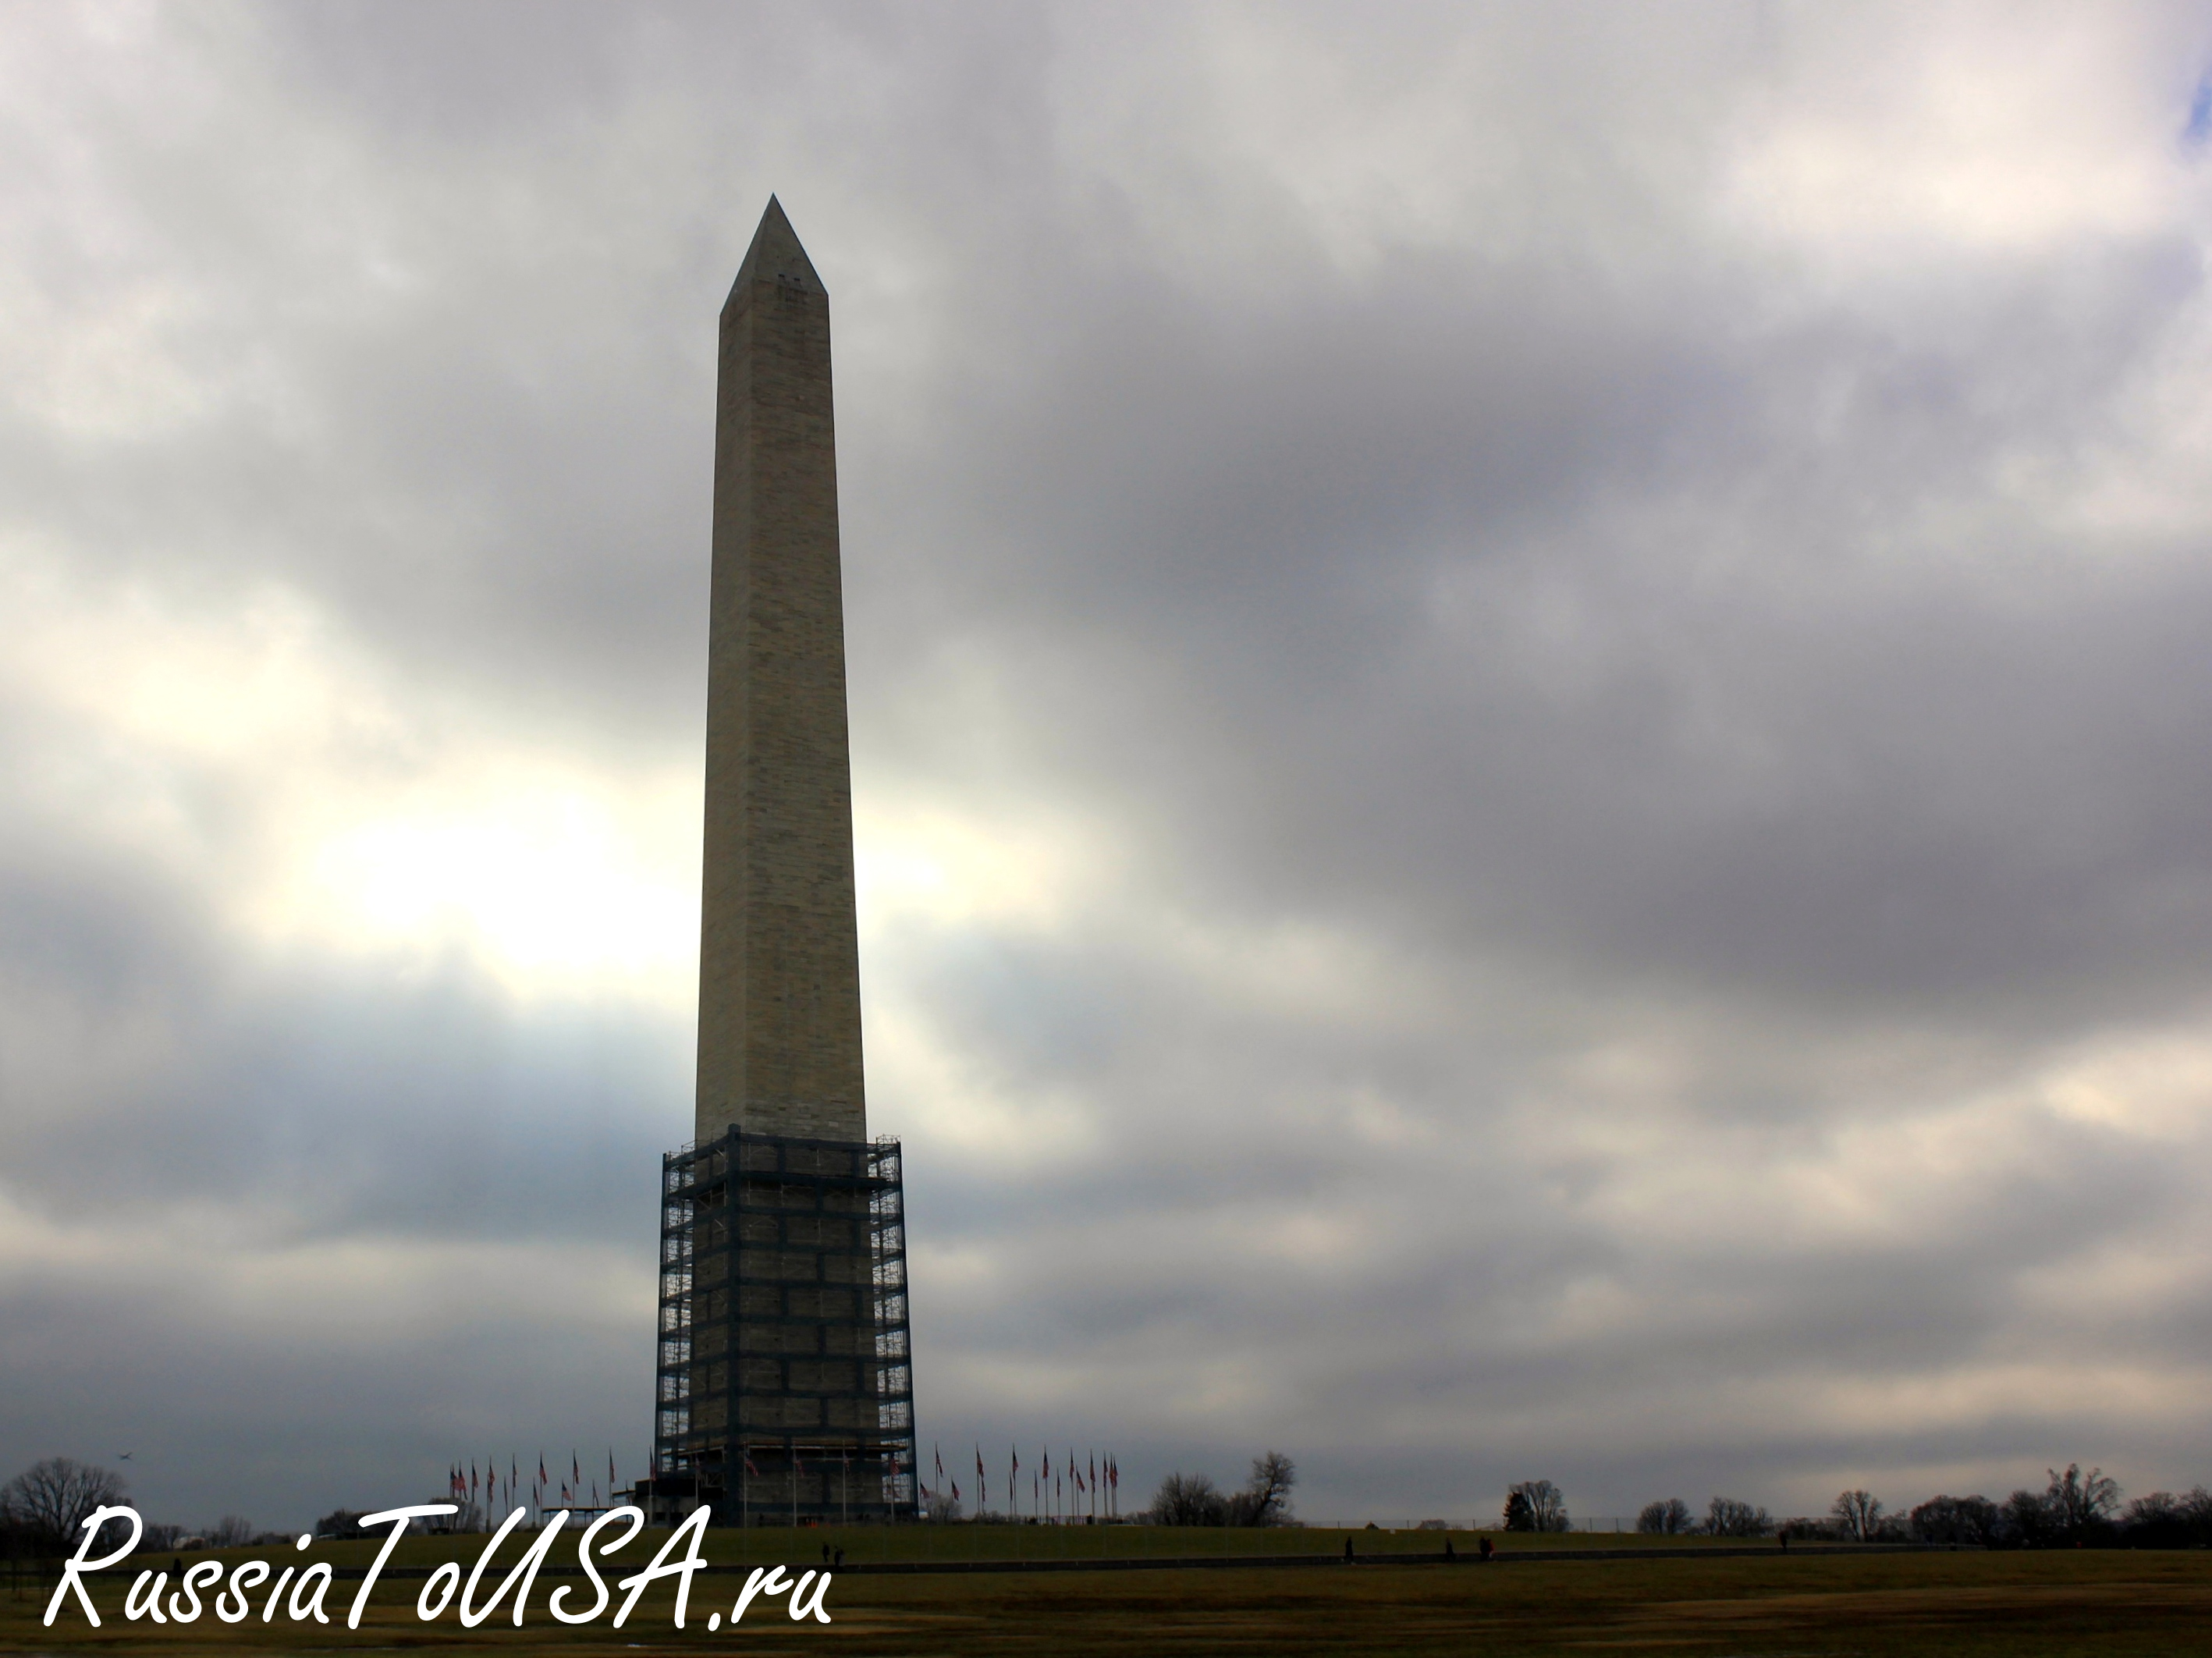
1095	1482
1096	1478
465	1486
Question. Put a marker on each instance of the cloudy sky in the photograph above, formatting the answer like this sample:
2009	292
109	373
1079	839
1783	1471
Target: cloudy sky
1531	689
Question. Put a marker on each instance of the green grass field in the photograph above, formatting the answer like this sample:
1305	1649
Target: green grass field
1973	1603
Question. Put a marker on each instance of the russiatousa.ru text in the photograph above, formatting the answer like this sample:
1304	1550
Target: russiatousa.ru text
251	1588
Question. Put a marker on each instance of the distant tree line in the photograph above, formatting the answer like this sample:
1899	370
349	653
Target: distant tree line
2074	1509
1725	1517
42	1510
1192	1499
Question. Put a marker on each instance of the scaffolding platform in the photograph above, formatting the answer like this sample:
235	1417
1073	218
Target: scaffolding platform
785	1382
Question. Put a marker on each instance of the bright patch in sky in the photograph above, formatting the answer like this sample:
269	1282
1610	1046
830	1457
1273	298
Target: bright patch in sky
548	884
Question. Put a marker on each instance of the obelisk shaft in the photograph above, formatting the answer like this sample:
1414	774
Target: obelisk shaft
778	956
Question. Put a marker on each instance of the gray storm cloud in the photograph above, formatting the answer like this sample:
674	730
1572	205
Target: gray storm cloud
1527	698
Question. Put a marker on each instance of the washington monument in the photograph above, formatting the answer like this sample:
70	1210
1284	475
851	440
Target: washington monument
783	1389
778	947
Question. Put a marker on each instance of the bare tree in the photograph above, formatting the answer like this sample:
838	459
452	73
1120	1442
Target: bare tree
51	1499
232	1531
940	1505
1857	1515
2078	1502
1188	1499
1727	1517
1671	1518
2165	1520
1536	1505
2024	1520
1266	1498
1972	1520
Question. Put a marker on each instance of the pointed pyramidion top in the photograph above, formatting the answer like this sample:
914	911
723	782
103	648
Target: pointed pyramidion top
776	256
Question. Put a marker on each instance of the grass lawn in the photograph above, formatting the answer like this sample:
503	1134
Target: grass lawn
2039	1603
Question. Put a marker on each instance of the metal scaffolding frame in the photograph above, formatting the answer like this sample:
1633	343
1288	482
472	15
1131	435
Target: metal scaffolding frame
785	1382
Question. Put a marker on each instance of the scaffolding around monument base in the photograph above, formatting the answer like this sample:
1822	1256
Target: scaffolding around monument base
785	1385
